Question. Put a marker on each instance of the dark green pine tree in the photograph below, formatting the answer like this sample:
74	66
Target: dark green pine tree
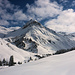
0	63
11	61
4	62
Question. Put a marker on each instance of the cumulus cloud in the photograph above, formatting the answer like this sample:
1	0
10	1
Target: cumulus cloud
4	22
19	15
42	9
73	3
65	22
39	10
10	12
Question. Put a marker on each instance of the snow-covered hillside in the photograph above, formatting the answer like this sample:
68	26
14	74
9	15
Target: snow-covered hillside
36	38
7	49
63	64
71	36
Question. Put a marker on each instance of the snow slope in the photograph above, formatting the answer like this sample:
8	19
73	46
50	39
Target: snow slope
46	40
7	49
71	36
63	64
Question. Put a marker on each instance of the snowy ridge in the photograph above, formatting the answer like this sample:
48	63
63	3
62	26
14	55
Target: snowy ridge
71	36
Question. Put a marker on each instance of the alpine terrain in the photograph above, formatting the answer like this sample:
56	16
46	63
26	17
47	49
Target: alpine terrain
31	40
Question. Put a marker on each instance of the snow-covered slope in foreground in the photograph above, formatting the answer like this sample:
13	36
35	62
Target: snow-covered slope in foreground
63	64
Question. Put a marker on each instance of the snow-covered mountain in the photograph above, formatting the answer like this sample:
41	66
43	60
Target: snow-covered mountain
36	38
30	40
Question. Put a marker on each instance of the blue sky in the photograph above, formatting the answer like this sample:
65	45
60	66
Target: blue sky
21	3
58	15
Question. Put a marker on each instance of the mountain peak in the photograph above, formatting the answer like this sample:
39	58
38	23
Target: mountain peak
32	23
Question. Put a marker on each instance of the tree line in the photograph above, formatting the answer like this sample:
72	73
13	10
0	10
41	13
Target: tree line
11	61
6	63
63	51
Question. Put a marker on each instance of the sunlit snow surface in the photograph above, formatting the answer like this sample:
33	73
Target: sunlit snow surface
63	64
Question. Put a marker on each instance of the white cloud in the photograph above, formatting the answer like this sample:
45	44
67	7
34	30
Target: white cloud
19	15
73	3
10	12
4	22
65	22
42	9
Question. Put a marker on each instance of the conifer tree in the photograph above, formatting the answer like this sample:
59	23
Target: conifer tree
4	62
0	63
11	61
